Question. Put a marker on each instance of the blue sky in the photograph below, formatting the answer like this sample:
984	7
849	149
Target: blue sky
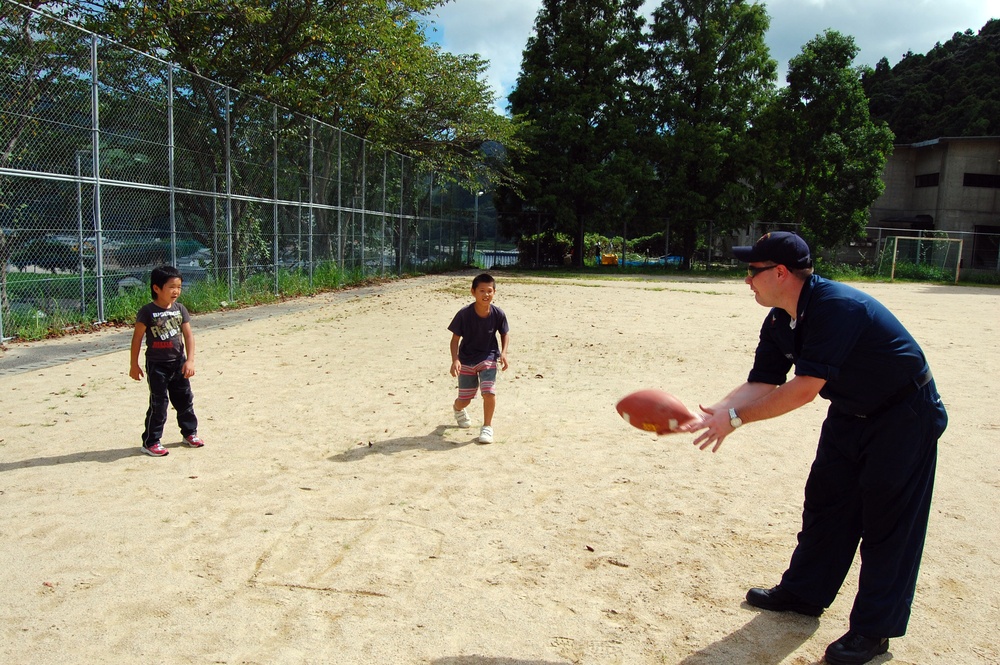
499	29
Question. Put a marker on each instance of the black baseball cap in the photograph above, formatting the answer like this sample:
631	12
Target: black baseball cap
781	247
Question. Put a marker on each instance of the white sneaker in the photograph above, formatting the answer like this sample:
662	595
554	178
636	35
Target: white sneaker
486	434
462	418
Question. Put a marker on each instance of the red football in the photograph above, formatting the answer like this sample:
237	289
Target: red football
653	411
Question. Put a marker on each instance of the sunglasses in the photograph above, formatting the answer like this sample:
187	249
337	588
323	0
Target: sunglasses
753	272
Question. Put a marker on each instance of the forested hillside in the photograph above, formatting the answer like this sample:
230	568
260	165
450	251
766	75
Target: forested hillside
953	90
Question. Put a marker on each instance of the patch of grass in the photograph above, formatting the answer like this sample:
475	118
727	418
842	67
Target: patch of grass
47	318
459	289
30	323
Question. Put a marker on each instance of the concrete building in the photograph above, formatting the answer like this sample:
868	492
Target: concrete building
949	184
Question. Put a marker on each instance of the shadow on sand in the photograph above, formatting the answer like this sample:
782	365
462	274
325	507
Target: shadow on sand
435	441
491	660
102	456
767	639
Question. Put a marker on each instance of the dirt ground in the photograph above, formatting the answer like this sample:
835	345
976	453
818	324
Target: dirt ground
338	515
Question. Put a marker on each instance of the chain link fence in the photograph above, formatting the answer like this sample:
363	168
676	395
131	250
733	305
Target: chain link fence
113	162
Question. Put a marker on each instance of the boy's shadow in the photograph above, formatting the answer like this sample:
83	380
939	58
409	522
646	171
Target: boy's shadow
102	456
434	441
490	660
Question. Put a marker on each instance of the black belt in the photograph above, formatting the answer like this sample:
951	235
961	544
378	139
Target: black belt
900	395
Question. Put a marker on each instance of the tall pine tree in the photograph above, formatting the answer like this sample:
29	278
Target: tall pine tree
575	96
710	76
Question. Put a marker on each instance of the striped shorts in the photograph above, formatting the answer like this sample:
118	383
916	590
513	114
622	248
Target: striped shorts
482	376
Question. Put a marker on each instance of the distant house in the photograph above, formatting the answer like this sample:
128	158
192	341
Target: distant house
947	184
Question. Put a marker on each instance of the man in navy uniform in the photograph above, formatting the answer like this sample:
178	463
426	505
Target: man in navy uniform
873	475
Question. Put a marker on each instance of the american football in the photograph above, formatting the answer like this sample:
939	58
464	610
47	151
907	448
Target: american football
653	411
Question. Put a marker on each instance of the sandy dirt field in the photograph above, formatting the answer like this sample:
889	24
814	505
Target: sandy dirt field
338	515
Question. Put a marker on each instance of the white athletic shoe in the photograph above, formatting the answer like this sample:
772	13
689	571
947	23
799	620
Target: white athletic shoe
486	434
462	418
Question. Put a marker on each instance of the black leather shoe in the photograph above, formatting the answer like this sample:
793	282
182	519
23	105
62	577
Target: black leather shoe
855	649
777	599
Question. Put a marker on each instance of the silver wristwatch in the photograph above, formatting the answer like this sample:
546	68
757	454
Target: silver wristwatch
734	420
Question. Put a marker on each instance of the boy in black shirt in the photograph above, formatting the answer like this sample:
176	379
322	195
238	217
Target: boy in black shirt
166	325
475	353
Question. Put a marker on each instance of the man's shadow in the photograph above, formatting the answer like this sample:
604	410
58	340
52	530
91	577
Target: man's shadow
435	441
767	639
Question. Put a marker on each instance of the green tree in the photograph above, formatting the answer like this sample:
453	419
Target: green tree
576	99
710	76
828	153
363	66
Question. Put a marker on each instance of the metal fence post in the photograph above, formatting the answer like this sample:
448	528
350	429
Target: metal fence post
274	173
381	250
340	198
229	195
312	177
96	161
364	196
171	184
402	181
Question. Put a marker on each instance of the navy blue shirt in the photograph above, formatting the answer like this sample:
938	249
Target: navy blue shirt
844	336
479	334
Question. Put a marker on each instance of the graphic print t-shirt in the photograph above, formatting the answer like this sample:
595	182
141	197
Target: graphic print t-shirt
164	340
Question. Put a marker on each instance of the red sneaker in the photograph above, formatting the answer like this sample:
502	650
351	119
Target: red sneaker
156	450
194	441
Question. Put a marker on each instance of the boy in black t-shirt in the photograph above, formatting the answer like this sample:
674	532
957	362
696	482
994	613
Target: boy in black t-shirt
475	353
166	325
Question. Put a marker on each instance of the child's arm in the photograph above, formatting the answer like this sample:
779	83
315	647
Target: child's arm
188	369
504	341
133	368
456	364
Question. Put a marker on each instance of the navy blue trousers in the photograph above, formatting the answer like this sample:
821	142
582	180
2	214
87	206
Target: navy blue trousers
167	383
871	483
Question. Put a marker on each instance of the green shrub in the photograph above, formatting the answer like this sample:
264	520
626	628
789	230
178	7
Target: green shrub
548	248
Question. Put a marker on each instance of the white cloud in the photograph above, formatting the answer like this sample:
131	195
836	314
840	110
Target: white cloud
498	31
880	29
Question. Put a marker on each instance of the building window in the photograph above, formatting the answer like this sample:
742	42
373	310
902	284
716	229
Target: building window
927	180
981	180
986	247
